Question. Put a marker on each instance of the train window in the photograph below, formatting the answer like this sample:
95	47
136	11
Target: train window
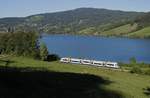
75	61
98	63
86	61
110	64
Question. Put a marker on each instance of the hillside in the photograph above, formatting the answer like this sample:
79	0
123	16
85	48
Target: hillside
72	21
143	20
120	31
139	28
26	78
85	21
143	33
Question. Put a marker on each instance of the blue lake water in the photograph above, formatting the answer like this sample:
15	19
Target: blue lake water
98	48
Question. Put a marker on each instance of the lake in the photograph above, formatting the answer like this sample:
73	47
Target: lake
98	48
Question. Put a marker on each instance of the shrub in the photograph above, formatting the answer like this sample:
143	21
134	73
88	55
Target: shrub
43	52
53	57
147	72
147	91
136	70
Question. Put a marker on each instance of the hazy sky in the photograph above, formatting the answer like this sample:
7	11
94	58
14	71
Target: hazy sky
19	8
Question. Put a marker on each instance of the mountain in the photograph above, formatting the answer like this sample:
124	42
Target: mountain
143	27
144	20
78	21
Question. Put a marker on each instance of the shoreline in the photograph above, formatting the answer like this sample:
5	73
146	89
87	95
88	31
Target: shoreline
92	35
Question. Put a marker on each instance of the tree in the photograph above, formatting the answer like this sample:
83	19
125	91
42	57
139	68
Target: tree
43	52
19	43
132	60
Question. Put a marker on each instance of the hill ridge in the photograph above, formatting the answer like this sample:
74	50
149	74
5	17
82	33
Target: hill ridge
76	21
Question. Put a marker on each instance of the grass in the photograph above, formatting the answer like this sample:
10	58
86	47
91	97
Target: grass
128	30
75	81
119	31
143	33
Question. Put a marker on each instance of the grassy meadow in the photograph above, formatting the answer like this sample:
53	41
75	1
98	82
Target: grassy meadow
32	78
119	31
141	33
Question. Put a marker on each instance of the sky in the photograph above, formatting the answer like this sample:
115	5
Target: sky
22	8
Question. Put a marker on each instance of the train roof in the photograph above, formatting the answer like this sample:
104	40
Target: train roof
90	60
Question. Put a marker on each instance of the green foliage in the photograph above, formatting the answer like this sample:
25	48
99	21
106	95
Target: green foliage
72	21
133	60
147	72
89	21
143	20
136	70
53	57
147	91
20	43
43	52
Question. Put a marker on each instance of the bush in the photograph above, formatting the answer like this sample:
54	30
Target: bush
147	91
147	72
136	70
43	52
53	57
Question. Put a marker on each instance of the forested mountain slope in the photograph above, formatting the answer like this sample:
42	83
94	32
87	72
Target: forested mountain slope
87	21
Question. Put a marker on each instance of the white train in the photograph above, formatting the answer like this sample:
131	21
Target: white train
90	62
